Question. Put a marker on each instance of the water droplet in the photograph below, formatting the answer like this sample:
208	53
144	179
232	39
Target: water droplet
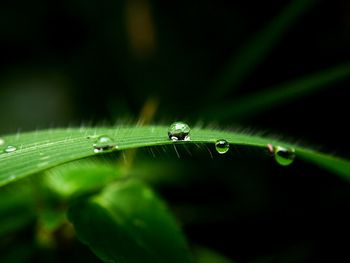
104	143
10	149
284	156
222	146
179	131
2	141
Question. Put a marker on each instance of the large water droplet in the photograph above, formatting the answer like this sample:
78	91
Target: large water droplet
284	156
104	143
10	149
222	146
179	131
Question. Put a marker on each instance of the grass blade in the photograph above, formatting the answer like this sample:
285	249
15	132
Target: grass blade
253	52
274	97
38	151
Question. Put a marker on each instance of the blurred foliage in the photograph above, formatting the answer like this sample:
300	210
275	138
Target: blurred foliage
72	62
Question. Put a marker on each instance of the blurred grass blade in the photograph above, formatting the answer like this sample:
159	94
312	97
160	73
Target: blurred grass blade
40	150
253	52
128	223
205	255
267	99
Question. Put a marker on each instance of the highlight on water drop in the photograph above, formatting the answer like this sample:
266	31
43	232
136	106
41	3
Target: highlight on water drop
179	131
222	146
2	141
104	143
270	149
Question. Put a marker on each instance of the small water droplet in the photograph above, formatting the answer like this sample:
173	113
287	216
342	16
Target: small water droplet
2	141
222	146
104	143
284	156
10	149
179	131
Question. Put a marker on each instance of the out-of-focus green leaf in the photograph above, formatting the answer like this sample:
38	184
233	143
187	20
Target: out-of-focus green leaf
253	52
80	177
128	223
51	219
20	252
16	208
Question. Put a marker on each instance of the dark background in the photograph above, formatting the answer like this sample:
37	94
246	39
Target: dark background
68	62
72	62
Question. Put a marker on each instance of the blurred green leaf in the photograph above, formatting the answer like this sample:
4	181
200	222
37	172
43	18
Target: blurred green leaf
20	252
274	97
50	219
17	208
80	177
128	223
88	176
253	52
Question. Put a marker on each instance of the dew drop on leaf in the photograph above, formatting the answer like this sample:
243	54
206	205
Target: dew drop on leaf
284	156
104	143
10	149
222	146
179	131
